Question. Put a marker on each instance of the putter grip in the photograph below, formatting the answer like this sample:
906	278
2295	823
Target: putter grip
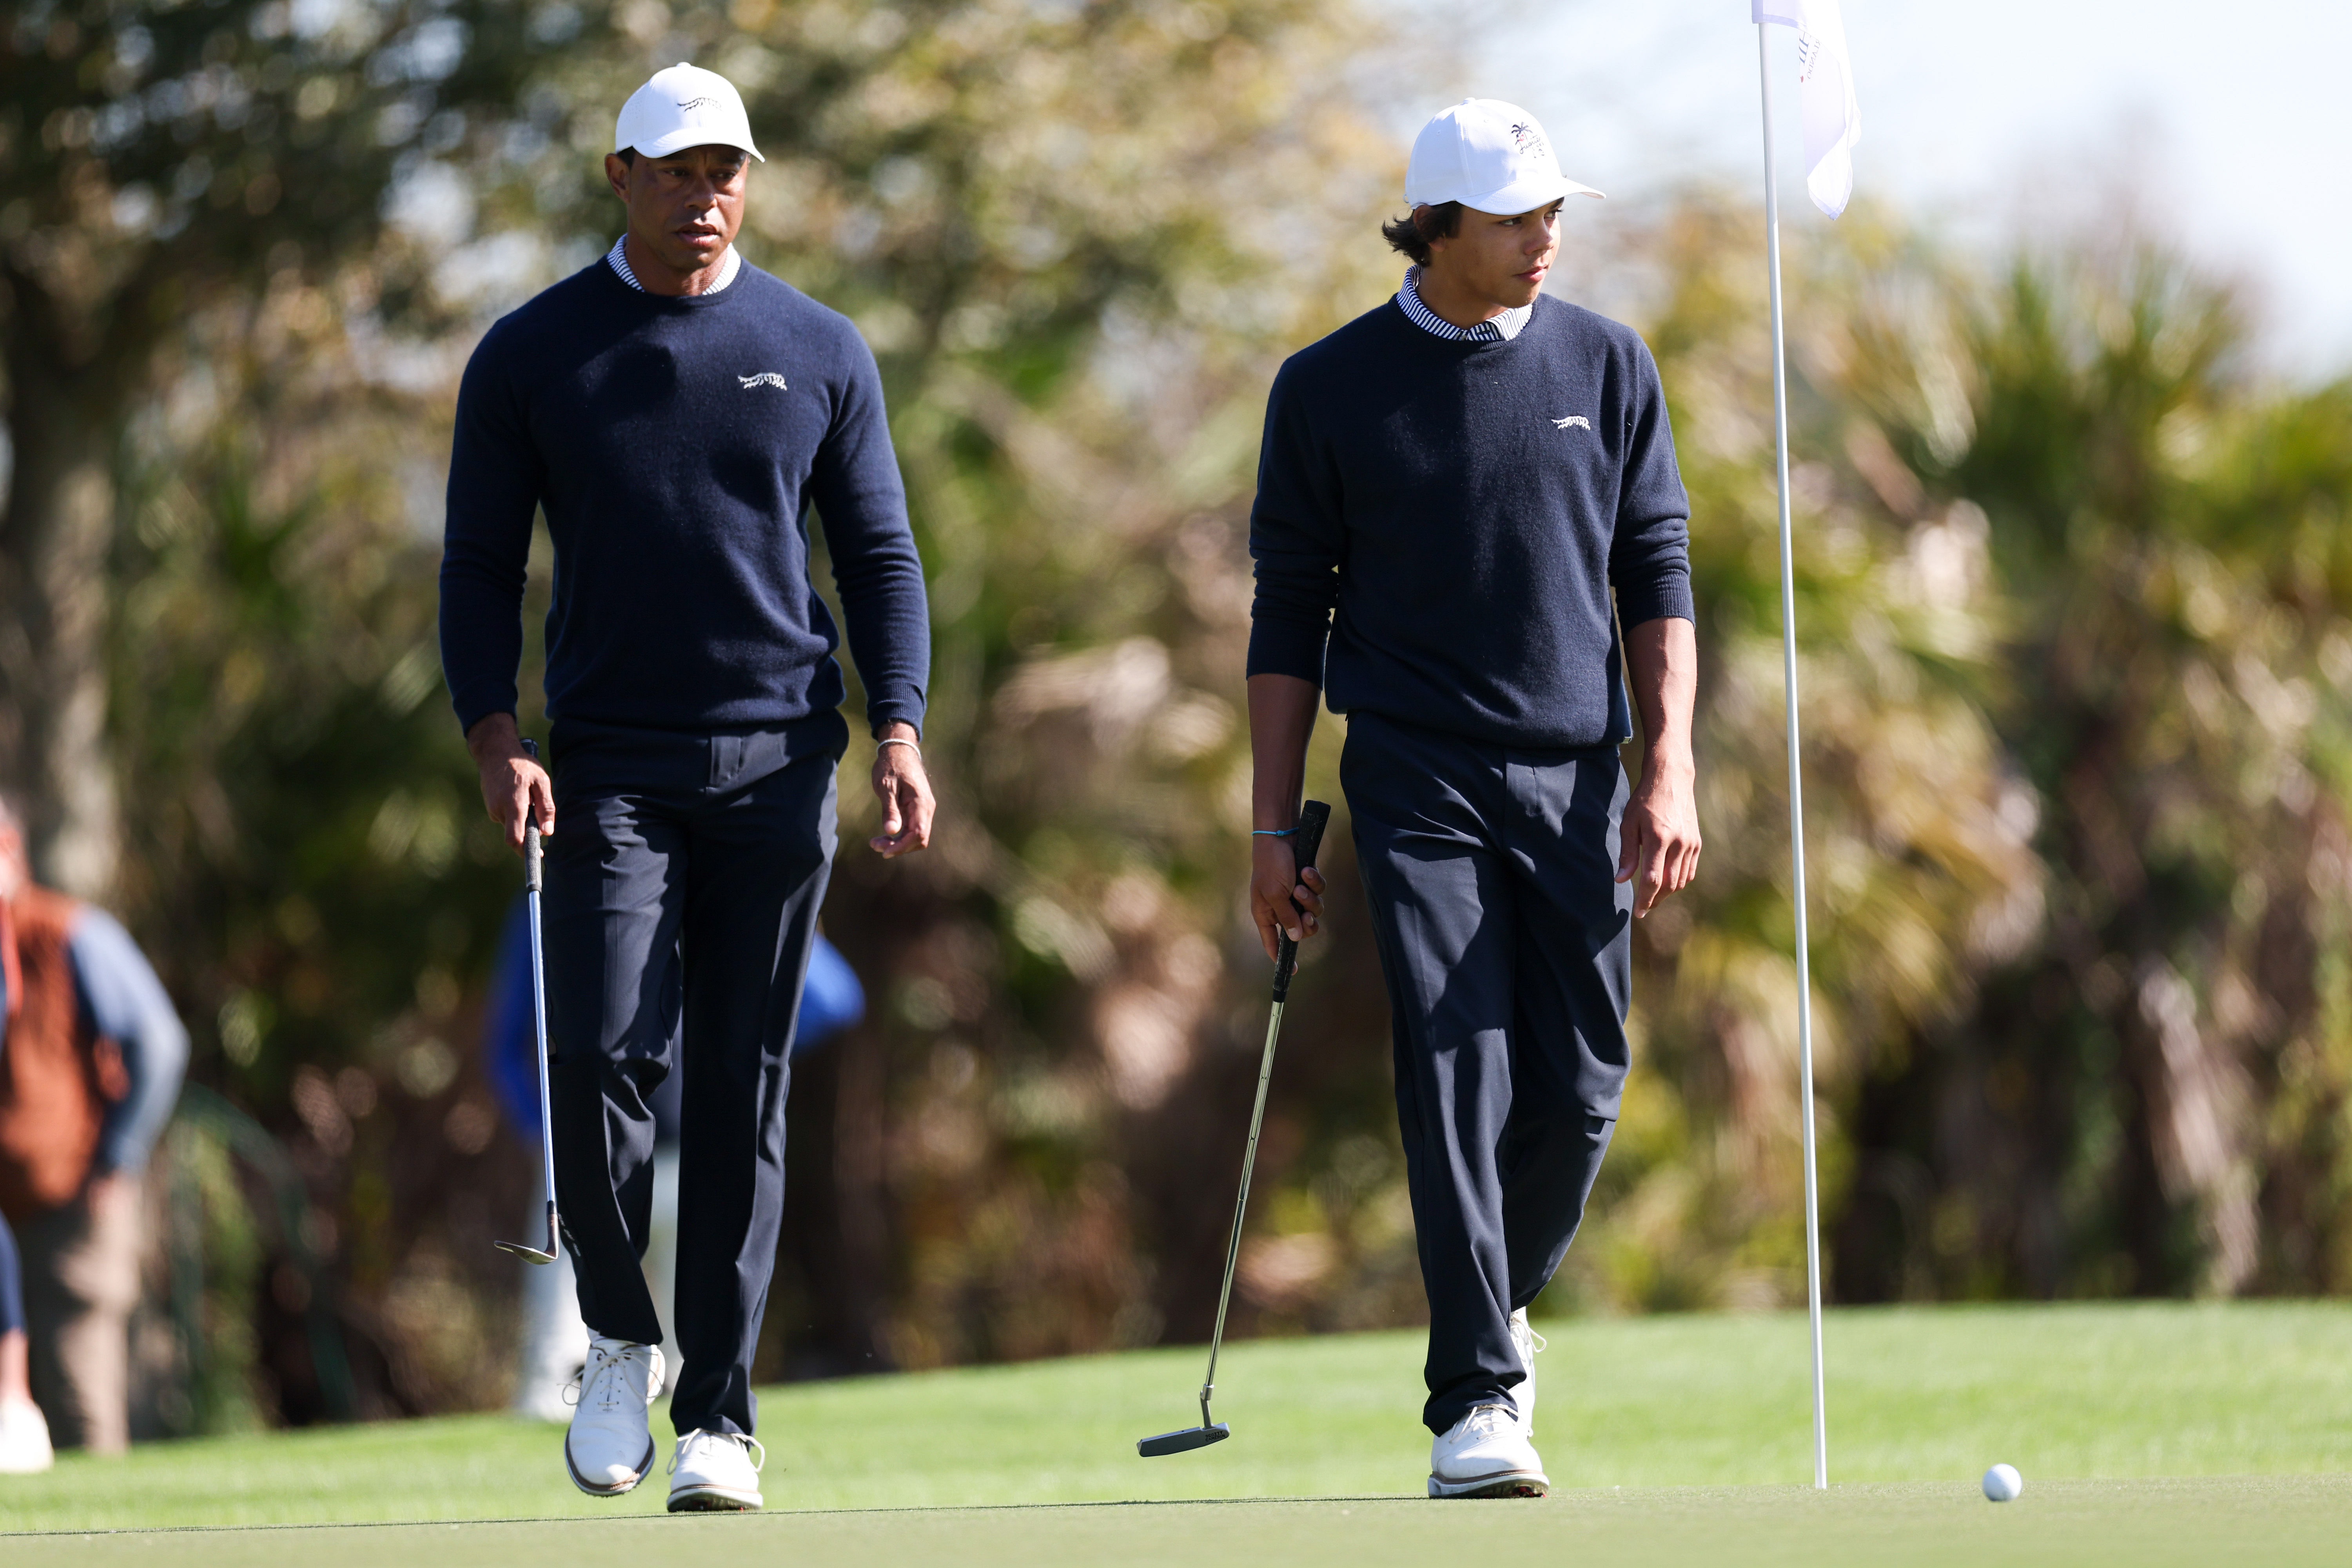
530	856
1305	840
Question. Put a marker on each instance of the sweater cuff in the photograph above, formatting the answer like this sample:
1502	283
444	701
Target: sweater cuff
1277	650
470	713
1665	597
901	710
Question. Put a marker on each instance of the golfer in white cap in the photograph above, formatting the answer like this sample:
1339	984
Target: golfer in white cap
676	414
1452	490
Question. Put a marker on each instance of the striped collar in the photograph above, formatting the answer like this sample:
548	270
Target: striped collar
1499	328
617	257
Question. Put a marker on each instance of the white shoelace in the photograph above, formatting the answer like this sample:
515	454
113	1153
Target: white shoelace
606	1374
759	1463
1487	1420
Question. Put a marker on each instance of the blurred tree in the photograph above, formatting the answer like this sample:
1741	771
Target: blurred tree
2148	1099
157	158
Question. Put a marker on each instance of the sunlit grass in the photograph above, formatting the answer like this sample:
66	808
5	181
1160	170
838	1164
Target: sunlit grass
2066	1393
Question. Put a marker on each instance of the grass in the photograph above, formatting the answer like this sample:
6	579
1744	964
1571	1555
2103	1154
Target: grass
1673	1439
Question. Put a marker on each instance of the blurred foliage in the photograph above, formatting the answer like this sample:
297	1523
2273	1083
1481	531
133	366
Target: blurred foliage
2152	1097
160	159
239	1306
2072	645
2072	602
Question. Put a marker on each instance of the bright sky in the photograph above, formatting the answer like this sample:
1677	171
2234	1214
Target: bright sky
2232	125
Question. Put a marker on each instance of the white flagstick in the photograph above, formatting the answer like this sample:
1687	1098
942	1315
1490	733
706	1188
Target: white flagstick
1796	771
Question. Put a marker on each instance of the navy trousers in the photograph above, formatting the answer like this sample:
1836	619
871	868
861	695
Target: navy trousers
683	882
1507	945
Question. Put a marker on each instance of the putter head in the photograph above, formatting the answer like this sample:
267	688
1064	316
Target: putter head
1183	1441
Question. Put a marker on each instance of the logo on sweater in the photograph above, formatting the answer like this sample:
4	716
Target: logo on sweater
765	378
1573	422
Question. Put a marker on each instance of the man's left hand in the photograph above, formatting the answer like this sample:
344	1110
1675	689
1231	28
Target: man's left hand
905	792
1660	833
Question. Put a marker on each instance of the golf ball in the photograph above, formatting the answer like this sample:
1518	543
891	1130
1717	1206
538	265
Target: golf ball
2002	1483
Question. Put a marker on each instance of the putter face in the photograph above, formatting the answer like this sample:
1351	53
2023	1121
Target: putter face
1183	1442
528	1254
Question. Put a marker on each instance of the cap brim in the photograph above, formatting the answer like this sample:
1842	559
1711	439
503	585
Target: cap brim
691	136
1526	195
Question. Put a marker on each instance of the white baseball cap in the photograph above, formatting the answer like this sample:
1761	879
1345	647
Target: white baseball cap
1490	156
684	106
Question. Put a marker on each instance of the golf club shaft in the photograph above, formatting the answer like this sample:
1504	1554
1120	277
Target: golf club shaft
532	863
1241	1207
1306	840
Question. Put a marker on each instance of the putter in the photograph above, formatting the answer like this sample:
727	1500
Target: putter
530	868
1306	838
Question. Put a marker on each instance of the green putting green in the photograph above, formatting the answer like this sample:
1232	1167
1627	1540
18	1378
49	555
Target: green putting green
2278	1523
1672	1438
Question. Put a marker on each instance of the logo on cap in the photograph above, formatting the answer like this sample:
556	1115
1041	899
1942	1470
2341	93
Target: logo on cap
1488	155
697	102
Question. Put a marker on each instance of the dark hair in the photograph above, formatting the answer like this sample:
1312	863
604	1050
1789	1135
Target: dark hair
1411	233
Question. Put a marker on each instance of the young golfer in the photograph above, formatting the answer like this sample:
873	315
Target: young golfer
675	411
1464	476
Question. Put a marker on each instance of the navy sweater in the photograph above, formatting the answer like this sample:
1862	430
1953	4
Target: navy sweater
1465	508
676	444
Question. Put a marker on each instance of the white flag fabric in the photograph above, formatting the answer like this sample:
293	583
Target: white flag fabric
1824	93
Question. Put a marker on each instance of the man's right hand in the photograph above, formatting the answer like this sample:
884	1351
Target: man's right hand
514	788
1282	899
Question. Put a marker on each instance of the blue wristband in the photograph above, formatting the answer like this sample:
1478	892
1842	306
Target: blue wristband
1272	832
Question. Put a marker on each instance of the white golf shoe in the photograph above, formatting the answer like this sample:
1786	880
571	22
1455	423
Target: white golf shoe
1485	1454
23	1438
1528	1342
715	1472
609	1449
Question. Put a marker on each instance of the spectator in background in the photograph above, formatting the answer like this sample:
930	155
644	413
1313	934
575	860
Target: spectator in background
554	1340
91	1058
23	1434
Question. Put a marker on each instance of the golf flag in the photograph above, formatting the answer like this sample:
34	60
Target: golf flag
1824	92
1832	125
